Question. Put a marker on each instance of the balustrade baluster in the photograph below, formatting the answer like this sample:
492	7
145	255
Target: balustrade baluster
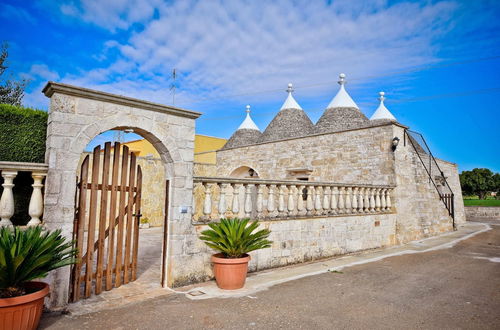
248	200
207	204
236	199
317	200
355	200
270	202
333	201
259	206
348	203
372	200
35	209
281	200
7	199
341	204
326	200
361	198
222	200
388	200
382	200
300	201
309	200
377	200
291	200
366	201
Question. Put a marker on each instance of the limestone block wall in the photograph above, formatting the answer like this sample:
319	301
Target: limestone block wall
420	211
450	171
295	241
361	156
204	169
485	212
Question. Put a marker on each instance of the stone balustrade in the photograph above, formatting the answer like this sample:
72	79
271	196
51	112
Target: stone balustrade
9	171
215	198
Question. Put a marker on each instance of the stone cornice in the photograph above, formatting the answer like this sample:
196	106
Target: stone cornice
53	87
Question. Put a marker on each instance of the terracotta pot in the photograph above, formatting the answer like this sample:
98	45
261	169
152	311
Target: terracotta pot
23	312
230	274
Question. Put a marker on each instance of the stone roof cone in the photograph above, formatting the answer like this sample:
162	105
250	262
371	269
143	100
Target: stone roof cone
247	133
342	112
382	113
291	121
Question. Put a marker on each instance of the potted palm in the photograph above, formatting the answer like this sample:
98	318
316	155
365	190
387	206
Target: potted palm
26	255
234	240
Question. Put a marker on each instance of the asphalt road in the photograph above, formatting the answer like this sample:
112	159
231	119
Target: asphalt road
456	288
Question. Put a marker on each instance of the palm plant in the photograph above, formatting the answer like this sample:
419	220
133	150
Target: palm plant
29	254
234	238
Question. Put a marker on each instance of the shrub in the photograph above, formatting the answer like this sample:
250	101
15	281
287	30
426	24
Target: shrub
29	254
234	238
22	134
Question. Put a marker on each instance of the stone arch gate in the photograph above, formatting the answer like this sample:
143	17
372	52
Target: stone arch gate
76	116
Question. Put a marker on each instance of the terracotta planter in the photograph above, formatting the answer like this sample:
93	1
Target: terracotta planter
230	274
23	312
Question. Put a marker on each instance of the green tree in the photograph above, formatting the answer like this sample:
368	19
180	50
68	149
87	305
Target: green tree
479	181
11	91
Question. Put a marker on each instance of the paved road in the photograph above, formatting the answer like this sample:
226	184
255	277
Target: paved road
456	288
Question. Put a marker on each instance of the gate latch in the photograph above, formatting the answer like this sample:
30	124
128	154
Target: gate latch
137	215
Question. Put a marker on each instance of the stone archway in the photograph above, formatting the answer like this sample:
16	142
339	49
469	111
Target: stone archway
76	116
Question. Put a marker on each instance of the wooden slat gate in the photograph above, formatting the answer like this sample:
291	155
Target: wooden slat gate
106	227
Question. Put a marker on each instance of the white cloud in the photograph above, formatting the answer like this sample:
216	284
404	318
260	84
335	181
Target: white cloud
225	48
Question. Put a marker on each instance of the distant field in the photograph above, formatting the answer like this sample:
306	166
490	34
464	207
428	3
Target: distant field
482	202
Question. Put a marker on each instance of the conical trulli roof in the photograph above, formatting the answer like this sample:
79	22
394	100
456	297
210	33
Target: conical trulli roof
291	121
382	113
248	133
342	113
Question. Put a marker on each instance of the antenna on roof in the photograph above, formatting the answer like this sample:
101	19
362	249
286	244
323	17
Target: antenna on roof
173	85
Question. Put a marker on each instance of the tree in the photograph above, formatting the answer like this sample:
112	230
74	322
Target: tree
11	91
479	181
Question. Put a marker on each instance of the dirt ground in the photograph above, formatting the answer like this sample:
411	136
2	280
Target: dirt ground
455	288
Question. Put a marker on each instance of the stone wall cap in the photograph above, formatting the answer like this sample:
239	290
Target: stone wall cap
54	87
23	166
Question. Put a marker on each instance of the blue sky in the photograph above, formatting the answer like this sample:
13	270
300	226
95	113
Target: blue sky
437	61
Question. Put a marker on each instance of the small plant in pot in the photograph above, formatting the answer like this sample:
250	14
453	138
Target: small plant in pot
234	239
26	255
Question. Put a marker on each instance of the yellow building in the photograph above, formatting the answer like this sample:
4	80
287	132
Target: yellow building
204	148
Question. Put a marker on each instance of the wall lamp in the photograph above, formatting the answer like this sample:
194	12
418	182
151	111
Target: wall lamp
395	143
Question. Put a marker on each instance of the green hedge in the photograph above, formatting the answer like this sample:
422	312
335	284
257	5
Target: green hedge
22	134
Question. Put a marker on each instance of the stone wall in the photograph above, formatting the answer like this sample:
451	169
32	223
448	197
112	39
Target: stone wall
204	169
482	212
296	241
421	213
450	171
361	156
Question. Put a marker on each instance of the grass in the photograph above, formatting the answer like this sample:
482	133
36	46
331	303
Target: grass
482	202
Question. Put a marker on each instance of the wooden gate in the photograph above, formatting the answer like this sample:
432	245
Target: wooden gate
106	227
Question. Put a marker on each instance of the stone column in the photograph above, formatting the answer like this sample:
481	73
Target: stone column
7	199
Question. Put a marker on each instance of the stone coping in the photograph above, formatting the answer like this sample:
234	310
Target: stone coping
300	217
24	166
204	179
53	87
318	134
481	206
